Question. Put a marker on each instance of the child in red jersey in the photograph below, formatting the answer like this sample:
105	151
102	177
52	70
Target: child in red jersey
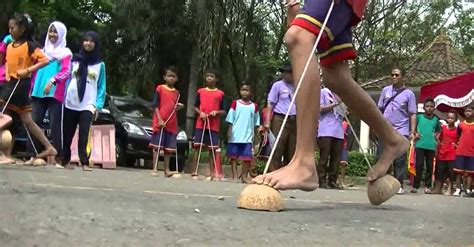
209	107
464	165
165	122
446	154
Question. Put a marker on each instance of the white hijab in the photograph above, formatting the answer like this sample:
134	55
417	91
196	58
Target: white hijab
59	50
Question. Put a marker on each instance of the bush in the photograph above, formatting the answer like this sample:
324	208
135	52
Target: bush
357	165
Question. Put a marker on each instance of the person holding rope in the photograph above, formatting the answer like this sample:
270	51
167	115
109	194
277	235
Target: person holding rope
209	107
23	57
165	121
49	86
335	48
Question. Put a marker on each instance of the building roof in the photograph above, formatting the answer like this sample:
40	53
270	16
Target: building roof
439	61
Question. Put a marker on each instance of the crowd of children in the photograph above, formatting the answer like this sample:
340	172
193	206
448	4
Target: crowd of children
447	149
71	87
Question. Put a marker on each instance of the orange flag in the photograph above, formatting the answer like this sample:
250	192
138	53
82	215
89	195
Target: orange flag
411	160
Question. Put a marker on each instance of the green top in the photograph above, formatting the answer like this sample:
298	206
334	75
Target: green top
427	129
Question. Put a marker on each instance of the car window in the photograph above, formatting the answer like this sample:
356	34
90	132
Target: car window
132	109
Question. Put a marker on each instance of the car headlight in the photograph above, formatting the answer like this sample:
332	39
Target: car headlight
182	136
132	128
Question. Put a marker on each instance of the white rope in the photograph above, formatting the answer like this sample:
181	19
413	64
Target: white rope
155	165
298	88
357	139
212	146
31	140
200	147
11	95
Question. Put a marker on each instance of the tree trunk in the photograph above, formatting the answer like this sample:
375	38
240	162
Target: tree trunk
192	93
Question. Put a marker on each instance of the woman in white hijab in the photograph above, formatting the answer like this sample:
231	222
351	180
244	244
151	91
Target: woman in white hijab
48	87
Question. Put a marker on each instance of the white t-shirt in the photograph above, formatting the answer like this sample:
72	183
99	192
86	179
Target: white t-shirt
94	96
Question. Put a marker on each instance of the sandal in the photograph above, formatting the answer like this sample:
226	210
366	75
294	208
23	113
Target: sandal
154	173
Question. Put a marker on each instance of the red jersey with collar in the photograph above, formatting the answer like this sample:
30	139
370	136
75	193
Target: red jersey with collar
167	98
447	143
208	100
466	139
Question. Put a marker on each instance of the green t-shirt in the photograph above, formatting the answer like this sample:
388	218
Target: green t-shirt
427	129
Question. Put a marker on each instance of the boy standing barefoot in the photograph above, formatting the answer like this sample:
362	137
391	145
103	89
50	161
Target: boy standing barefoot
209	107
335	48
243	119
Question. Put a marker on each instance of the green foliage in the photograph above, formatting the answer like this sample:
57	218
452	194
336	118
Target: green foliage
358	165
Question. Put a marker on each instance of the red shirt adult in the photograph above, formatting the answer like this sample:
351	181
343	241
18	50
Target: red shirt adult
447	143
166	100
208	100
466	139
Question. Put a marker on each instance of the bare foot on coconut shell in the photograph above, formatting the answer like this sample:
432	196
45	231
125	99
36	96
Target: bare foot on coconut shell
299	174
393	149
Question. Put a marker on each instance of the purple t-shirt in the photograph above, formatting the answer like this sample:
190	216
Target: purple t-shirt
330	122
280	97
398	111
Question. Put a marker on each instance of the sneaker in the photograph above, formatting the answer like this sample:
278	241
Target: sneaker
457	192
414	190
401	191
59	166
468	192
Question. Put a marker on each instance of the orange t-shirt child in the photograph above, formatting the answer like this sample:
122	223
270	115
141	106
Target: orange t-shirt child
20	56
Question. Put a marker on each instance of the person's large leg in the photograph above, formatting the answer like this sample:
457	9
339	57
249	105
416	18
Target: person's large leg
335	153
39	107
70	121
38	133
301	172
85	121
324	144
340	81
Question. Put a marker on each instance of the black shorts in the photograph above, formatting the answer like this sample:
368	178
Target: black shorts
20	101
444	169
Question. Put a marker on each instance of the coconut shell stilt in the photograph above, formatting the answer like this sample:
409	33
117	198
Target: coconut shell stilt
39	162
260	197
6	141
382	189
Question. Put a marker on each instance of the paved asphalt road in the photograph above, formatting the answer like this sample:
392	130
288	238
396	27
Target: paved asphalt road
44	206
